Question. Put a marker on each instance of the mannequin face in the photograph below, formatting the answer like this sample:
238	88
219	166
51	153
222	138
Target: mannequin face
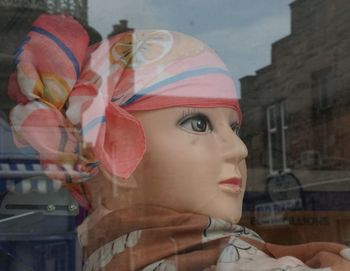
195	161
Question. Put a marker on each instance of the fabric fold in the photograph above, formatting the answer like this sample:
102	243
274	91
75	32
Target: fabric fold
151	237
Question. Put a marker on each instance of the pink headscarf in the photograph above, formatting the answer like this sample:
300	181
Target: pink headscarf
74	102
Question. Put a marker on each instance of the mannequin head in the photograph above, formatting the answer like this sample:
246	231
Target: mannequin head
147	117
190	152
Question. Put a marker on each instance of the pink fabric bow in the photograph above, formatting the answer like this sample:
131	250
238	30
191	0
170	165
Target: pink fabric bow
49	64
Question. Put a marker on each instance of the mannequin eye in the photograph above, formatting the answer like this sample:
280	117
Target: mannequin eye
198	123
235	128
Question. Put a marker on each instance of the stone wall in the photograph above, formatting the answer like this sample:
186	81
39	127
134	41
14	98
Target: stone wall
314	56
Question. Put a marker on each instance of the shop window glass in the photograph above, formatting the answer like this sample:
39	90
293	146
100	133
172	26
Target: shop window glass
290	63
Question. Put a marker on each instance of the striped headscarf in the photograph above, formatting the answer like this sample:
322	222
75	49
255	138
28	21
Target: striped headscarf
74	101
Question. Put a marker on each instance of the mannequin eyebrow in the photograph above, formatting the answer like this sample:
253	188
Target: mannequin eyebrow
190	111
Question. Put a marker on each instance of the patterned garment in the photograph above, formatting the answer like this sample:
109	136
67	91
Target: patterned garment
154	238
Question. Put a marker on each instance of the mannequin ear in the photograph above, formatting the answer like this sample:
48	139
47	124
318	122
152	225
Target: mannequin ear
117	192
108	191
117	138
120	183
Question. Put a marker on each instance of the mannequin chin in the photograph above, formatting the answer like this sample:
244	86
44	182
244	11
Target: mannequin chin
194	162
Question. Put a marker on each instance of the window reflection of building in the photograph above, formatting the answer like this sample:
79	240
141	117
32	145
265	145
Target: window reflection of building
76	8
322	86
276	130
120	28
324	100
297	111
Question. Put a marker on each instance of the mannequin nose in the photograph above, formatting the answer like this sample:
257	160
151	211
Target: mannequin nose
232	145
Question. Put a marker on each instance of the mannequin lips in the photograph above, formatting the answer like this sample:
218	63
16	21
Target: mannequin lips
232	185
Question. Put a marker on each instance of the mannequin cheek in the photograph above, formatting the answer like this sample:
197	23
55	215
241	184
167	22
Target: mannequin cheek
243	170
162	182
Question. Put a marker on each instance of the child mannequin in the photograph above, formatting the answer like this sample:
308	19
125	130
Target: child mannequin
150	121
